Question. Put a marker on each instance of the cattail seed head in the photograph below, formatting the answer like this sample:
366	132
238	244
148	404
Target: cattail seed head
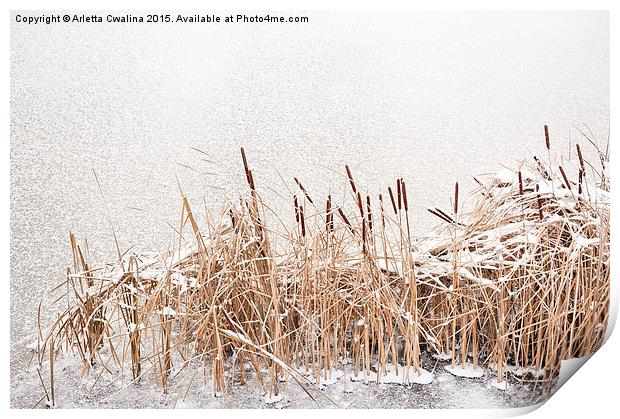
402	184
566	182
547	142
360	206
248	172
350	176
296	208
393	201
369	212
328	215
363	237
456	198
302	218
303	190
399	192
344	218
581	162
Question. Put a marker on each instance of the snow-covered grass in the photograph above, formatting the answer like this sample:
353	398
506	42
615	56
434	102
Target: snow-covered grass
523	279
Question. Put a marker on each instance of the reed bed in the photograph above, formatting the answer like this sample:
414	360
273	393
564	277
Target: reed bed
515	285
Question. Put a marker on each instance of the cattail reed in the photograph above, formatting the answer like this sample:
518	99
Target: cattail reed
399	190
296	315
350	176
297	212
369	212
344	218
566	182
456	198
441	214
303	190
547	142
248	172
329	216
581	161
393	201
402	184
360	206
363	237
302	219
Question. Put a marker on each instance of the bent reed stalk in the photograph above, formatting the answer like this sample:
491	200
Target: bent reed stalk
518	284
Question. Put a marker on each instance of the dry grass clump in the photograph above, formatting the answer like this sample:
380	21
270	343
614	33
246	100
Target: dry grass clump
519	283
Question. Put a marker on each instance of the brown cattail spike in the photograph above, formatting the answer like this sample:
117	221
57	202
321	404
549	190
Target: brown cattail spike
369	212
440	215
296	208
393	201
456	198
581	163
329	215
350	176
303	221
363	237
566	182
547	142
399	191
520	183
251	180
444	215
248	172
359	205
344	218
402	184
303	190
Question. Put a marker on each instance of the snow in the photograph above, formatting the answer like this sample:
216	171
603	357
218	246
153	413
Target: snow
507	176
270	399
167	311
519	371
34	345
466	371
395	375
581	242
502	385
333	376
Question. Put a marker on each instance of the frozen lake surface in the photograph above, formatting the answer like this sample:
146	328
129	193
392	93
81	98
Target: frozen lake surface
431	97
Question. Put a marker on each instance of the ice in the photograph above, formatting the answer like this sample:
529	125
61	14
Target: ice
466	371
